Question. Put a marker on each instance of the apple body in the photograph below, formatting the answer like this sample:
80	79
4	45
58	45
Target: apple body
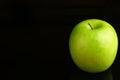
93	45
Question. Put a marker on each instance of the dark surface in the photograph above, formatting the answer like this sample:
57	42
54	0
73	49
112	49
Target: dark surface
34	37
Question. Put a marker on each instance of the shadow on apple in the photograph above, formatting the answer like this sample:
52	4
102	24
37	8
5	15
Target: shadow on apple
79	75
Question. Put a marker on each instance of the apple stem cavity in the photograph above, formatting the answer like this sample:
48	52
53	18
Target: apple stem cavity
90	26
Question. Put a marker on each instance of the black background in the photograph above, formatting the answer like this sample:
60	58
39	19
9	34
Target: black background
34	37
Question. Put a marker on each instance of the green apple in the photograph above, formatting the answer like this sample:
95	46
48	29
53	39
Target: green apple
93	45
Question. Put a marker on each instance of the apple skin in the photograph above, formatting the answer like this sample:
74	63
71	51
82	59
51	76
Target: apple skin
93	45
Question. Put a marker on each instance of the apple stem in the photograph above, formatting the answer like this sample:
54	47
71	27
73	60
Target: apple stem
90	26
